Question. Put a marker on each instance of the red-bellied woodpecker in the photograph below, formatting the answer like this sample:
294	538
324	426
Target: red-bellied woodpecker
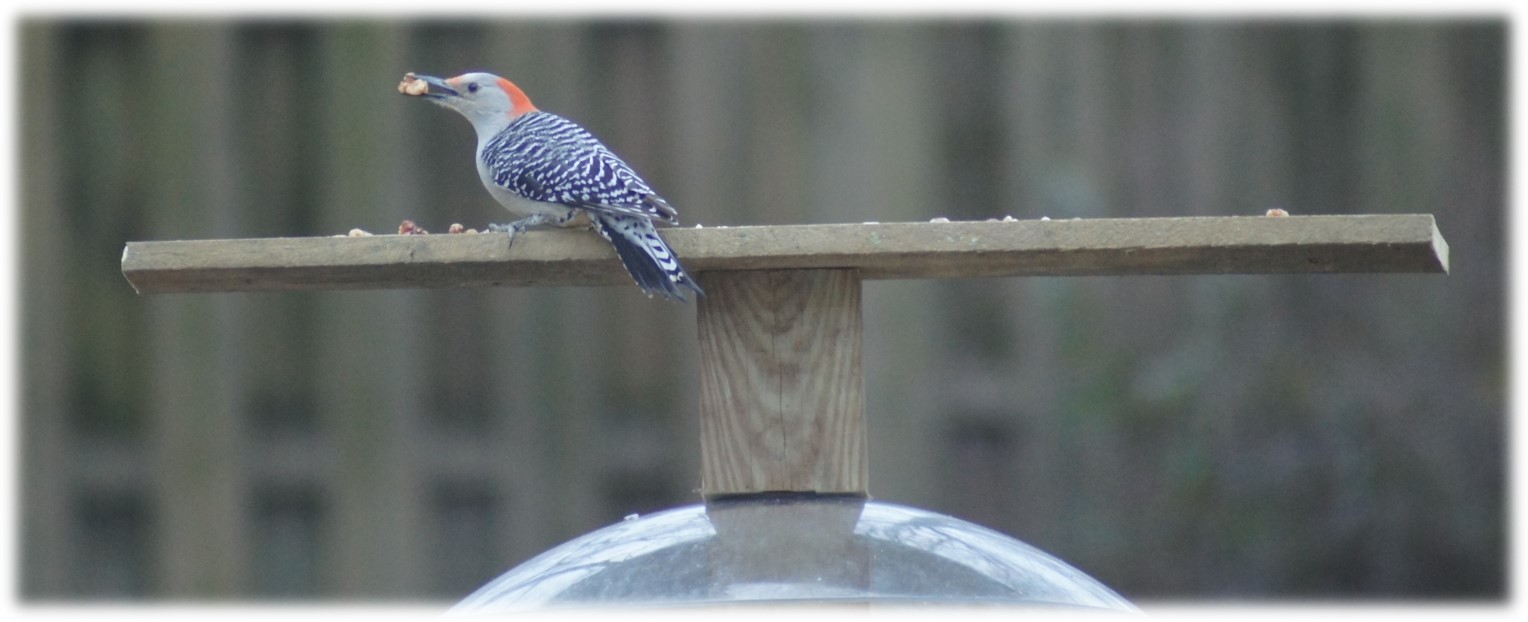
551	171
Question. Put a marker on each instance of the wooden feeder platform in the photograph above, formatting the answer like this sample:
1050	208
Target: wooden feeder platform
782	389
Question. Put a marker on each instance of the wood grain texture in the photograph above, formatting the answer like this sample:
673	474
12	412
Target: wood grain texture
782	391
1204	245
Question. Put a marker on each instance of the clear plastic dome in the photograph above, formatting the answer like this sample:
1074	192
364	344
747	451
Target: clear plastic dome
791	549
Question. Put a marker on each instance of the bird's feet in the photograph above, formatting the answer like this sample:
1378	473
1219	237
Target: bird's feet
514	228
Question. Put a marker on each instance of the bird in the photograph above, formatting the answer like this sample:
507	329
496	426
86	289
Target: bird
549	170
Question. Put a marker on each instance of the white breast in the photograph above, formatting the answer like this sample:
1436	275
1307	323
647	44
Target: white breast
562	215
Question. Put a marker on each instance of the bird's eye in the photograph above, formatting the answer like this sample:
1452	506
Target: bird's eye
472	87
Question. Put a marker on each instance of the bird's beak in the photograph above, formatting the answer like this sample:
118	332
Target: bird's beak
429	87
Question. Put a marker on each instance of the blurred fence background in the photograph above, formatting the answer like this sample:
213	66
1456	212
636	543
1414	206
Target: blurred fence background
1176	437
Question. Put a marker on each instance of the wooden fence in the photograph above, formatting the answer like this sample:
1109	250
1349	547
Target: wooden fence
1277	436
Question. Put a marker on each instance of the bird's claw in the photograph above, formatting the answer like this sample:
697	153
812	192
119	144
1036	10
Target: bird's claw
513	229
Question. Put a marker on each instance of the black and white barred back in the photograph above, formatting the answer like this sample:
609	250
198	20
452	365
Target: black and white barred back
546	158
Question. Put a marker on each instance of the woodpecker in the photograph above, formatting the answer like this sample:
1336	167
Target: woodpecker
551	171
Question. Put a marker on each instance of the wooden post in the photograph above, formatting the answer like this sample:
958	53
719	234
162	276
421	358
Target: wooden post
781	393
763	543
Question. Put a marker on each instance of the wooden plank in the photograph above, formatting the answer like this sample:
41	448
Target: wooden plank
1205	245
781	391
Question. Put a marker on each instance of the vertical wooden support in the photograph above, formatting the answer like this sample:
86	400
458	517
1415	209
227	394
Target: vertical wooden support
763	544
195	405
781	391
369	379
44	544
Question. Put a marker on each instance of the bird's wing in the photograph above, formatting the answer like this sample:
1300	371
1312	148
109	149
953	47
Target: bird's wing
565	164
617	189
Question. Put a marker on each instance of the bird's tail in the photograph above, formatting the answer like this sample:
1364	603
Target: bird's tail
649	260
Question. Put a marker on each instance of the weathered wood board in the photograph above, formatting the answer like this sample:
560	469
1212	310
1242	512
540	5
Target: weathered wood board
1200	245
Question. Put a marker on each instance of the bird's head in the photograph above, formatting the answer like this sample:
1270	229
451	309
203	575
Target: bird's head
488	101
